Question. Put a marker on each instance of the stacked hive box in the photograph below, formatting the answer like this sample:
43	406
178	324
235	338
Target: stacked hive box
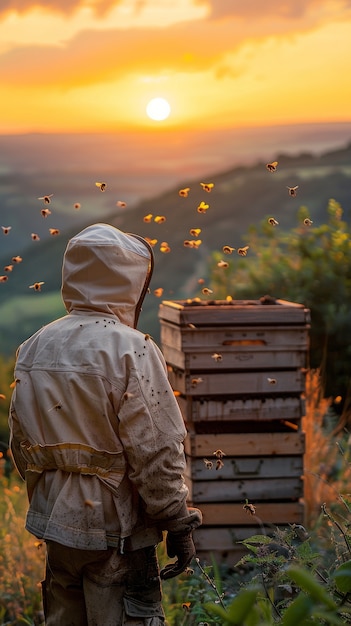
238	371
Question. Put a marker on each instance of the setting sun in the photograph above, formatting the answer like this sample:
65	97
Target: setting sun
158	109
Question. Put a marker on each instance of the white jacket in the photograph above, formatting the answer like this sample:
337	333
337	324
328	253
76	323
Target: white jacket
95	428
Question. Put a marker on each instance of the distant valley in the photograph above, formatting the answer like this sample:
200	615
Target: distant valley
242	195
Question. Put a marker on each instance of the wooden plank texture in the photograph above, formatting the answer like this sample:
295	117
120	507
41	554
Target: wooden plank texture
246	312
228	514
235	360
241	468
241	339
245	444
270	382
250	409
253	489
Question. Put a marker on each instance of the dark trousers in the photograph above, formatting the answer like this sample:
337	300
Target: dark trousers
101	587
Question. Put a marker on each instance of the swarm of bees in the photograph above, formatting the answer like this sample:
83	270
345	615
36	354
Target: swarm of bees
202	207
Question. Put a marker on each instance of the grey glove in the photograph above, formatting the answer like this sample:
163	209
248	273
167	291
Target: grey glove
182	546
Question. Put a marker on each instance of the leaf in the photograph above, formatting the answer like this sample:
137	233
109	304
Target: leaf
342	577
238	610
298	610
307	583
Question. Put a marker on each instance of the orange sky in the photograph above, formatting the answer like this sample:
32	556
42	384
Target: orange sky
93	65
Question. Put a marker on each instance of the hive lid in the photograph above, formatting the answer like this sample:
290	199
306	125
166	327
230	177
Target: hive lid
266	310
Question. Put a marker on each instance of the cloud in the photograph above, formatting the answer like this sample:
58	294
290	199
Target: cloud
97	56
281	9
66	7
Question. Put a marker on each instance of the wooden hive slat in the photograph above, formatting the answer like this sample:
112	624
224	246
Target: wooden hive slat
244	312
254	489
229	514
238	383
251	409
245	444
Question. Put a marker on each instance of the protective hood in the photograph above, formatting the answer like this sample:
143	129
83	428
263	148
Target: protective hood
107	271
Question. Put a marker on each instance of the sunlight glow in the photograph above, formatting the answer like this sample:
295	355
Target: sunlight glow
158	109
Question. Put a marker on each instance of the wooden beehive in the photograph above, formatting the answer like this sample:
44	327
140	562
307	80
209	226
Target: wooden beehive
238	370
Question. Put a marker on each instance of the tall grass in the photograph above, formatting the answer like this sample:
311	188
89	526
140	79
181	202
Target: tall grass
21	560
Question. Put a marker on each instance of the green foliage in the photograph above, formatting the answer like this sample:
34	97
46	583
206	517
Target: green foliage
309	264
23	315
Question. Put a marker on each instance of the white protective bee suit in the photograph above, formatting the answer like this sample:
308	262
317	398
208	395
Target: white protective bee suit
97	434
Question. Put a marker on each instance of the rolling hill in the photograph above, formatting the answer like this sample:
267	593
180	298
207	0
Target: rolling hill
241	196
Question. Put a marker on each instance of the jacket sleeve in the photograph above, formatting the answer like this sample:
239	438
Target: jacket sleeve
152	432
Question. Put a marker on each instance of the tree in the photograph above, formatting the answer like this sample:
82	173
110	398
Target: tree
310	264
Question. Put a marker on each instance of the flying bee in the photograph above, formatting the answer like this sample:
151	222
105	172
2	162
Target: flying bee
46	199
293	191
206	291
8	268
3	279
229	298
77	206
17	259
202	208
36	286
159	219
207	186
102	186
92	503
127	395
208	464
147	218
2	396
243	251
6	229
147	337
45	212
152	242
249	508
219	464
56	407
216	357
228	249
307	222
219	454
194	232
222	264
121	204
164	247
192	326
201	281
272	221
158	292
271	167
196	381
54	231
272	381
184	192
35	237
